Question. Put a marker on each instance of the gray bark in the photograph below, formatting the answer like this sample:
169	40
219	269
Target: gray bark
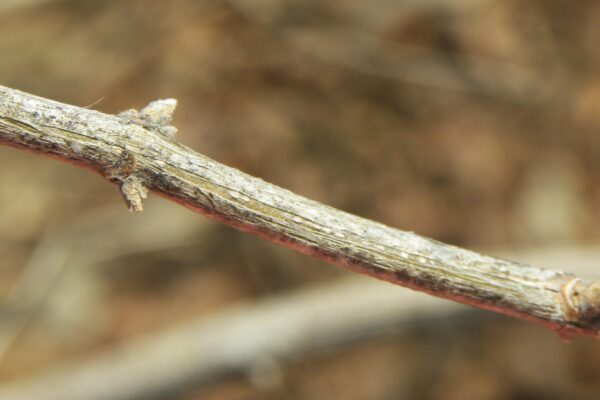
138	152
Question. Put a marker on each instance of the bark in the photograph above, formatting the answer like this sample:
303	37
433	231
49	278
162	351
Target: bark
138	152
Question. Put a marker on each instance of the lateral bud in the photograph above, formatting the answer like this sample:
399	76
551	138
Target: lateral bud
159	112
134	192
156	116
131	186
581	300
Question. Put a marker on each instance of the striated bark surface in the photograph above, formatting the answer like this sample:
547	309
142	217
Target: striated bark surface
138	152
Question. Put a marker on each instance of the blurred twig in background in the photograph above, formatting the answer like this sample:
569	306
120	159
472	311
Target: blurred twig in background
255	339
236	341
465	159
12	5
366	52
95	238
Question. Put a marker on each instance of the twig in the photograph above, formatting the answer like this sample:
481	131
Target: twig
137	152
233	342
10	5
30	291
358	49
202	352
92	239
368	54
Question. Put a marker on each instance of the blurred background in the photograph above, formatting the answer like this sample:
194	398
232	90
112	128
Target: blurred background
474	122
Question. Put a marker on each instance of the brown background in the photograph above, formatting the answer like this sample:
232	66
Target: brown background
473	122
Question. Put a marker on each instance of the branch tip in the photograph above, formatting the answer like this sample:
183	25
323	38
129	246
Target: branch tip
582	300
